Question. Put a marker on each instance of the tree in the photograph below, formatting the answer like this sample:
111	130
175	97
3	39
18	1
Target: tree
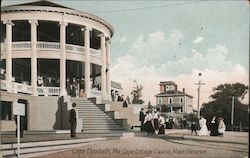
221	105
137	94
150	106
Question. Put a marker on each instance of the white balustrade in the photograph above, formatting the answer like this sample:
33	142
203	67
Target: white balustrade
74	48
48	91
96	53
48	46
95	93
17	46
14	87
21	45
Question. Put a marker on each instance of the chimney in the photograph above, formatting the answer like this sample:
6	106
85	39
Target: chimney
184	90
176	89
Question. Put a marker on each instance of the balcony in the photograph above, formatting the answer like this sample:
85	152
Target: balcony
51	46
15	87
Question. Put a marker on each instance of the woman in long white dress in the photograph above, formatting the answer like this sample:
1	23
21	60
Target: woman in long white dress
221	127
203	124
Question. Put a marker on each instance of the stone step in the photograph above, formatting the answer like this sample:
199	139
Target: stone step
90	113
89	109
9	150
102	128
98	123
86	105
83	115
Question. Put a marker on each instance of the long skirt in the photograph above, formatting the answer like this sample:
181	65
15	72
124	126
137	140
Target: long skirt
82	93
161	130
214	130
156	124
148	127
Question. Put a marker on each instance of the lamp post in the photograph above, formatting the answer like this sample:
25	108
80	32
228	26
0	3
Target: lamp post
198	101
232	115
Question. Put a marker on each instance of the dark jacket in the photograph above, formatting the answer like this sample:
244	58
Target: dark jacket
142	116
72	115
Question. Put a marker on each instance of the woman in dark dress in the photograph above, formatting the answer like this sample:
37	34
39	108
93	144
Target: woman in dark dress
161	122
214	127
156	121
82	87
148	123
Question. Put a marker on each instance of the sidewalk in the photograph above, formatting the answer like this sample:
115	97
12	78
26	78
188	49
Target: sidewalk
228	137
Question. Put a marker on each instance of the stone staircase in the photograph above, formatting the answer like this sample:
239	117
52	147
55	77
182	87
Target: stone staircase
94	120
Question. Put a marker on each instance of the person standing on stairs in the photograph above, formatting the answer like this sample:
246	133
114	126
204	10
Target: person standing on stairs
72	120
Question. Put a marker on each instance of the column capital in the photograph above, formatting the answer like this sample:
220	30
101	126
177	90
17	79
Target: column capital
63	23
8	22
108	41
33	21
86	28
101	35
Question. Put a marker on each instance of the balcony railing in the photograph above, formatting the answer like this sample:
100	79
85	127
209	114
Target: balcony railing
48	46
14	87
48	91
53	46
21	45
74	48
96	53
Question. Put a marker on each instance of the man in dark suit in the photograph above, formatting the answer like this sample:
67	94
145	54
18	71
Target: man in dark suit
193	128
72	120
142	118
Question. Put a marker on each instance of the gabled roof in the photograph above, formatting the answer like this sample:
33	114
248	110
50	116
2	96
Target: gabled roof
172	94
167	83
42	3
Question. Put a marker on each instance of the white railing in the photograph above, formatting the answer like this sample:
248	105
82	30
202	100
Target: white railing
54	46
48	91
96	53
14	87
95	93
21	45
48	46
74	48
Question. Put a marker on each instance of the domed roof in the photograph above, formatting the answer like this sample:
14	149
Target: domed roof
50	6
42	3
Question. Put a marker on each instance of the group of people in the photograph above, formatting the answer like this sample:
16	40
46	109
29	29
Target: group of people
152	122
218	127
75	87
47	81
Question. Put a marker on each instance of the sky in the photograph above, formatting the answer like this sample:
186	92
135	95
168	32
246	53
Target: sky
174	41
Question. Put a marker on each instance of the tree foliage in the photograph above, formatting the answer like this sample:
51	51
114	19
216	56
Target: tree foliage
137	94
221	105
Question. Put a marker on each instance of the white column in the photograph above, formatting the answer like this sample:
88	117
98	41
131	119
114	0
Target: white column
87	62
62	58
9	25
103	71
34	24
108	72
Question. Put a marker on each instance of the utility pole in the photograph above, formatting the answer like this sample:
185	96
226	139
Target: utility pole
199	87
232	115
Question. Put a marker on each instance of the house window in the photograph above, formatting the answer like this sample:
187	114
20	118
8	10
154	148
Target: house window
170	100
167	88
181	100
5	110
159	100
